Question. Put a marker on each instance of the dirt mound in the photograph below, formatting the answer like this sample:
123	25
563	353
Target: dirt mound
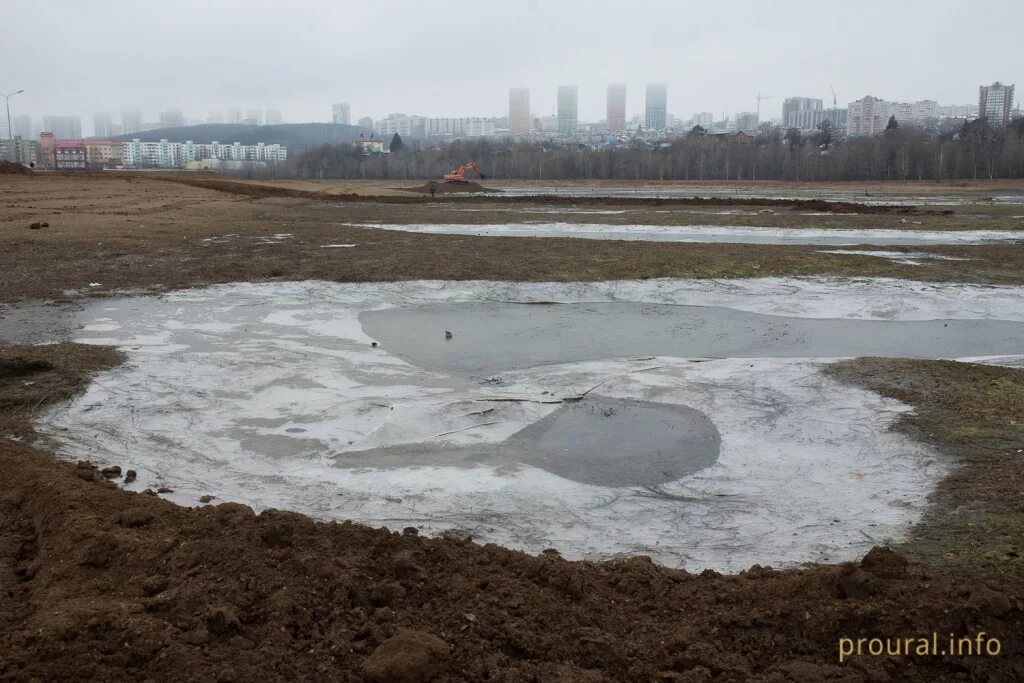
103	584
8	167
449	188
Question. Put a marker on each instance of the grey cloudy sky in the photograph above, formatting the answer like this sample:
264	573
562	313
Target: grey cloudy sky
440	58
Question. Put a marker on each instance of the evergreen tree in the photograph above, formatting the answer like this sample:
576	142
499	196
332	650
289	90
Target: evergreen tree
893	123
396	144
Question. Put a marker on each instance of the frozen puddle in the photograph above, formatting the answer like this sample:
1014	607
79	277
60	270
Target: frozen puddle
730	234
912	258
582	427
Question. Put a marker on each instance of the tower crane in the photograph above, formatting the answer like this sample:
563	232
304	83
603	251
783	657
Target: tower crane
759	98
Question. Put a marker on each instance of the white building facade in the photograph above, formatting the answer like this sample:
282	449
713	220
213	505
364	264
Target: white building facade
164	154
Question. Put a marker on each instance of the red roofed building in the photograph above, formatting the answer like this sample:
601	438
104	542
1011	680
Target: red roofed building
69	155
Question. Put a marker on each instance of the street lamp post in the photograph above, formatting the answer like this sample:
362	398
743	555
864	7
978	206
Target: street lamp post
7	98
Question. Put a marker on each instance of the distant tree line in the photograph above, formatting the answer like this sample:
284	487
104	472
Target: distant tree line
977	151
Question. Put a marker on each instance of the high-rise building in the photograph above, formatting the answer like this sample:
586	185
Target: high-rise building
704	119
791	116
568	109
838	117
272	117
101	125
957	111
24	128
995	102
64	127
340	113
233	115
131	121
215	116
868	116
746	120
366	122
656	106
616	114
253	116
172	118
519	120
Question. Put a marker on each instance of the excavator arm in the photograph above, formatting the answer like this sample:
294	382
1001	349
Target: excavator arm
459	175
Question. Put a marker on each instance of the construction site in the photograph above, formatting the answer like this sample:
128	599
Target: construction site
476	429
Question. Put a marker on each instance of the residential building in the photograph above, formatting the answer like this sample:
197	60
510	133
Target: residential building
20	150
804	119
103	153
519	120
868	116
164	154
64	127
568	109
272	117
340	113
957	111
791	108
366	122
923	111
616	114
102	125
69	155
704	119
233	115
656	106
995	103
172	118
746	120
547	124
838	118
215	116
459	127
405	126
131	121
24	127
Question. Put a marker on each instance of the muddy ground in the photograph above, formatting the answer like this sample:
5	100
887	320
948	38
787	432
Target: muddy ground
102	584
110	232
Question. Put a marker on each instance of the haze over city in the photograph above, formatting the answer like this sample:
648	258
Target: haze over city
433	60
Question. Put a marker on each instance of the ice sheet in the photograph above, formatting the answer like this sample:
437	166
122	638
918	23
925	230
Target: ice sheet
731	234
270	394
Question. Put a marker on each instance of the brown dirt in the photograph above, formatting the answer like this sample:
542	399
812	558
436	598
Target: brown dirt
139	231
103	584
7	167
469	187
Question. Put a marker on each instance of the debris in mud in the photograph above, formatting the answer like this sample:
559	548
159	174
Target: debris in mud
111	472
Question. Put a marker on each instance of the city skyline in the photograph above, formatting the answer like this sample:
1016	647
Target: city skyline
717	63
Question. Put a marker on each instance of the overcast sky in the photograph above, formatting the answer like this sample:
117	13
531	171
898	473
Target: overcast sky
439	58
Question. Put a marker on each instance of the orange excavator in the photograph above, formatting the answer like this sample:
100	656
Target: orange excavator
459	175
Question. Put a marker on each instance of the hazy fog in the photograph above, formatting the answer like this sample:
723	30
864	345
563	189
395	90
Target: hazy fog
459	59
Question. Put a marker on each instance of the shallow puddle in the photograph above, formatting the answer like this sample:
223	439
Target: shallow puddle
491	337
582	425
